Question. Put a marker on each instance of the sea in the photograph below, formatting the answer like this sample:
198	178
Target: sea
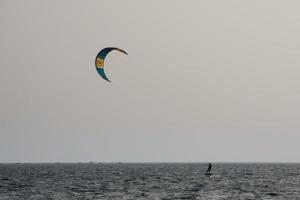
157	181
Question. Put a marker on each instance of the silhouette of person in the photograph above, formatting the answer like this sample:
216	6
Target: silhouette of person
209	168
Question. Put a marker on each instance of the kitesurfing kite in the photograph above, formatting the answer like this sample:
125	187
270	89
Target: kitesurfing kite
99	61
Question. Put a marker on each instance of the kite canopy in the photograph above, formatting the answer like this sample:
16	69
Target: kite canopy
99	61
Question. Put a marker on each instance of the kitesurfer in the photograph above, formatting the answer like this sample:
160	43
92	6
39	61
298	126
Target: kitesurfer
209	168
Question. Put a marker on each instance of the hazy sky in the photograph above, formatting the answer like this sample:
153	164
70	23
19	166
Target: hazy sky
203	81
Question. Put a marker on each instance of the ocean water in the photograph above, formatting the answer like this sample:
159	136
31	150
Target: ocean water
149	181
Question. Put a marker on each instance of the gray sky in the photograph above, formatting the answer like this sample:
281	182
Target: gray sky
203	81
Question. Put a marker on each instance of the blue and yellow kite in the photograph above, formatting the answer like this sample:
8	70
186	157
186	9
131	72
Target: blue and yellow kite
99	61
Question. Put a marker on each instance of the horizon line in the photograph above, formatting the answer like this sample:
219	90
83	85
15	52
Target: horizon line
157	162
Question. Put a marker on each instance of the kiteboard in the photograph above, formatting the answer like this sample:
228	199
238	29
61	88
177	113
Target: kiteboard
208	174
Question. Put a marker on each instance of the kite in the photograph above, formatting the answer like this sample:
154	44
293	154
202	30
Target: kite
99	61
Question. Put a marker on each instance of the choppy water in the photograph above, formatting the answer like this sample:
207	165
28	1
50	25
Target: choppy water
149	181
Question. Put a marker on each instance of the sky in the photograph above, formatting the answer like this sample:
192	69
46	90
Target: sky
204	81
